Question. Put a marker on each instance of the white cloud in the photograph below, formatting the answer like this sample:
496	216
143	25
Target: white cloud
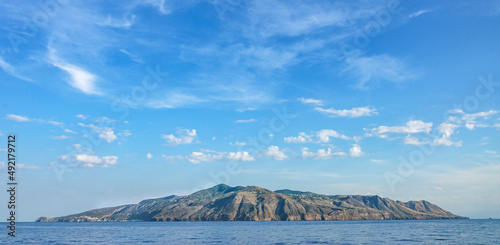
238	143
105	119
302	138
164	7
376	68
69	131
149	155
105	133
447	129
81	149
186	136
132	56
411	127
470	120
108	135
484	114
322	136
378	161
80	78
9	69
126	133
325	134
245	121
418	13
274	153
298	19
210	156
109	160
321	154
17	118
56	123
354	112
356	151
311	101
446	141
83	117
62	137
246	109
412	140
266	57
239	156
119	23
173	99
443	140
88	161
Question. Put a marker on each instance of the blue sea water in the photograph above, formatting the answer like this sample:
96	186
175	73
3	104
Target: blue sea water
278	232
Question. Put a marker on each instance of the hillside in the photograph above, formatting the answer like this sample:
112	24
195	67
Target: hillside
252	203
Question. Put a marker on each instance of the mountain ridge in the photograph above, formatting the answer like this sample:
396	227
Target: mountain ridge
253	203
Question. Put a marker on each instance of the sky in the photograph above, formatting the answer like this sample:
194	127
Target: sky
113	103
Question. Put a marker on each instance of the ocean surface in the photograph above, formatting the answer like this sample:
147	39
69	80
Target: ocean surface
275	232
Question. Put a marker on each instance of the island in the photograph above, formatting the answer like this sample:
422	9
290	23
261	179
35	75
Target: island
252	203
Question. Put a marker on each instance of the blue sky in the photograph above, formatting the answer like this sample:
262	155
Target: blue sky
113	103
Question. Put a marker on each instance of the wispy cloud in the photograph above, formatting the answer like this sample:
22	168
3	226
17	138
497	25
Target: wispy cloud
174	100
370	69
245	120
245	109
311	101
9	69
411	127
69	131
354	112
112	22
420	12
79	78
62	137
27	166
133	57
17	118
378	161
83	117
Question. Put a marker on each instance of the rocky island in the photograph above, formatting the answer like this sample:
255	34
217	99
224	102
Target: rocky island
252	203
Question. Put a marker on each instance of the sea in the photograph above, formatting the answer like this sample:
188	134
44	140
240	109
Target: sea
473	231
